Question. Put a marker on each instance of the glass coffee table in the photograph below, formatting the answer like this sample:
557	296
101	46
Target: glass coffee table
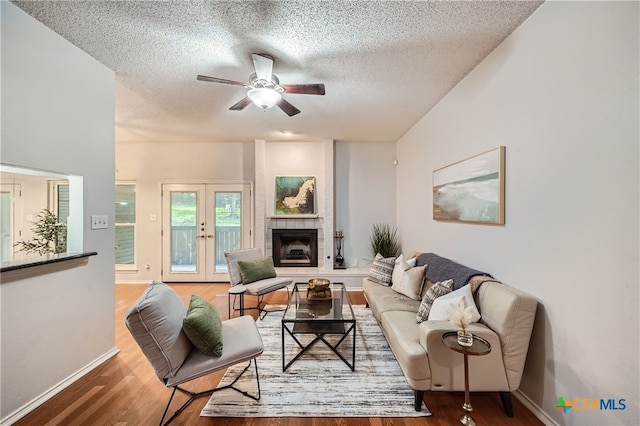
322	314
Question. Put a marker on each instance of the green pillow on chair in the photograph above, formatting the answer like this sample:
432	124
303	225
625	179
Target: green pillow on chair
203	326
256	270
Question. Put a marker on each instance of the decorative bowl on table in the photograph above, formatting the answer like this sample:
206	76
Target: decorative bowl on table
319	284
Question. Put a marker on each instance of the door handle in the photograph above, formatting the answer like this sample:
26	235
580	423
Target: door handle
201	236
210	236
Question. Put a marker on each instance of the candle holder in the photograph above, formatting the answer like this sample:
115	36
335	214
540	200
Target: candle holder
339	260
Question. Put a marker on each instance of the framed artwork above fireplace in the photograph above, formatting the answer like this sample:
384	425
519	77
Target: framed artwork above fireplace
295	195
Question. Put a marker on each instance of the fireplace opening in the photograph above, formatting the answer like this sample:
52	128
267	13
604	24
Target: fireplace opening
295	247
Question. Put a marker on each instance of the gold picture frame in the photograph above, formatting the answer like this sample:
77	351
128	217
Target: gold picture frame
471	190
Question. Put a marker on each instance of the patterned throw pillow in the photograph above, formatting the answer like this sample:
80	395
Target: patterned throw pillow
382	269
438	289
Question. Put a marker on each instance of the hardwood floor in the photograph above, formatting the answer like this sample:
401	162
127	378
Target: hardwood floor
125	390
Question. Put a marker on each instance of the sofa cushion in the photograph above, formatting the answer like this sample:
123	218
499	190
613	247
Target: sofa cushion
258	288
410	281
438	289
382	299
203	326
256	270
155	322
443	304
382	269
403	336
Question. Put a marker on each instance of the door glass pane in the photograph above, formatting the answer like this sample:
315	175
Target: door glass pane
227	220
183	231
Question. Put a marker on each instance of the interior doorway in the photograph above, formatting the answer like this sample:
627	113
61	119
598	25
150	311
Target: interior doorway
199	223
10	220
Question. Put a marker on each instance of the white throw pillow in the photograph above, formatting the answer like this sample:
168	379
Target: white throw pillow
400	266
398	269
442	305
410	281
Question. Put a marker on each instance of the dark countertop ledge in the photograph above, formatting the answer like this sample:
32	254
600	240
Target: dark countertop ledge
52	258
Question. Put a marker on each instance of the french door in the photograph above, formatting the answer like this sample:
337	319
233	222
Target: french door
199	223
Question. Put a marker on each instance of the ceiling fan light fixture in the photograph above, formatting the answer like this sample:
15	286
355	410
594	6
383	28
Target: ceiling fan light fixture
264	97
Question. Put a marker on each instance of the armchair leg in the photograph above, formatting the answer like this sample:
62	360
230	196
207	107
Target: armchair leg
418	397
195	395
505	397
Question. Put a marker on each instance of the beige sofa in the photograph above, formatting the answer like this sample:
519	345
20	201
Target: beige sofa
428	364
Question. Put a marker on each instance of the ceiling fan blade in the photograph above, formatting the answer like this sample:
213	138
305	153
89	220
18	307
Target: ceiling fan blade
241	104
289	109
304	89
220	80
263	65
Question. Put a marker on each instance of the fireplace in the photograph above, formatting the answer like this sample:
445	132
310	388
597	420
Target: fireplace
295	248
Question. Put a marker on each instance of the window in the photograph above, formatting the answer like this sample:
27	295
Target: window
125	224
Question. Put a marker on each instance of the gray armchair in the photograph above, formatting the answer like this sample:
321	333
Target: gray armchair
155	322
257	288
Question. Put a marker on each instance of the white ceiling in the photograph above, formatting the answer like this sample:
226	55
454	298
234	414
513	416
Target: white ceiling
384	64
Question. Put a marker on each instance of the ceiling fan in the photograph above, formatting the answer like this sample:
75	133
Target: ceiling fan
265	89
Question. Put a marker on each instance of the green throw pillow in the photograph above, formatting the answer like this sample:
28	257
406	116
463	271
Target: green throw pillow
256	270
203	326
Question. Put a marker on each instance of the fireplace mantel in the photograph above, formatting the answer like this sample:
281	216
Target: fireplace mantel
295	216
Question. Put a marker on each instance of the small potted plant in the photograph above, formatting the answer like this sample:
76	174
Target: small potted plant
51	235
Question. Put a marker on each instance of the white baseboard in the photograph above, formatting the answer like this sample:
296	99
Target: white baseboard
533	407
47	395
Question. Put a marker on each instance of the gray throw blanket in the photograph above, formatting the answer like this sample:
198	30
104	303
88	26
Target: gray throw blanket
442	269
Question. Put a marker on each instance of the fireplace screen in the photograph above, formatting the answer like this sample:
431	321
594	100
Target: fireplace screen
295	247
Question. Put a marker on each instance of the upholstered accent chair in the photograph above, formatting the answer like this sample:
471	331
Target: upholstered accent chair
259	288
156	324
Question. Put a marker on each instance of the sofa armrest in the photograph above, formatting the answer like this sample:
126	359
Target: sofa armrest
447	374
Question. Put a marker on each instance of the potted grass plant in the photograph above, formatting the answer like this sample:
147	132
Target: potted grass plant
384	240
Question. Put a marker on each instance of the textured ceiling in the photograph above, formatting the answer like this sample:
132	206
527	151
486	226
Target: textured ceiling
384	64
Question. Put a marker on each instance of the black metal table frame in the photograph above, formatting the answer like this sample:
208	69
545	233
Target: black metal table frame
331	327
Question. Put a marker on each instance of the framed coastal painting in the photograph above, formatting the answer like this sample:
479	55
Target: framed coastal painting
471	190
295	195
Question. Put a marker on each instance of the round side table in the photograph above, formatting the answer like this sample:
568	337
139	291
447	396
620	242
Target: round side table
479	347
236	290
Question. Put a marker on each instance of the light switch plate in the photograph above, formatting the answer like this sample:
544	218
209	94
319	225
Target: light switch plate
99	222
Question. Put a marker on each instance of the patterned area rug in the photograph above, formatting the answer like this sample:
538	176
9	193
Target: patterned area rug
319	384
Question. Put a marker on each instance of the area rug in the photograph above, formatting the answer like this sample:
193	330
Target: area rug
319	384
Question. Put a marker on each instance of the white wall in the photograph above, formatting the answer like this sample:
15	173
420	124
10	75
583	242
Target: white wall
561	93
365	194
364	185
151	164
58	115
